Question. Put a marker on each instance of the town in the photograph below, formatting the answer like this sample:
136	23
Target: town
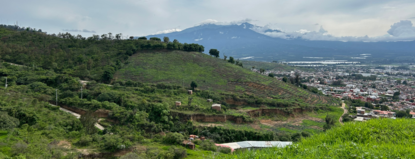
386	92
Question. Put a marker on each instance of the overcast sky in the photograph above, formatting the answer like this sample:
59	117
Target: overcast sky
356	18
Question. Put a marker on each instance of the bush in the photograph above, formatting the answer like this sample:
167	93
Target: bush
8	122
173	138
225	150
112	142
85	140
208	145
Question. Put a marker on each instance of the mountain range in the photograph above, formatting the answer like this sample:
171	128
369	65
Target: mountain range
241	41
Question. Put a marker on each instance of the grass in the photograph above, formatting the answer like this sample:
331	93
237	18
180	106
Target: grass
376	138
312	123
331	110
181	68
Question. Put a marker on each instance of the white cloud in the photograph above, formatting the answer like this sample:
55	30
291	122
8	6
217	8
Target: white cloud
168	31
199	39
400	31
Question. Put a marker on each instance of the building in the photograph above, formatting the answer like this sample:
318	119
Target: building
189	144
216	107
254	144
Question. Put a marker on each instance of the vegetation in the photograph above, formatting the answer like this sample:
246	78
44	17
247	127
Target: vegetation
146	78
377	138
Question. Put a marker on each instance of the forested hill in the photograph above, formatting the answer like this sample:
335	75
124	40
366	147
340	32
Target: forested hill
93	58
99	58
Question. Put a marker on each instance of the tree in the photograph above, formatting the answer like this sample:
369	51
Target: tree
330	121
7	122
193	85
285	79
405	83
155	39
166	39
384	108
88	120
224	57
369	105
173	138
396	95
231	60
142	38
261	70
214	52
271	75
297	78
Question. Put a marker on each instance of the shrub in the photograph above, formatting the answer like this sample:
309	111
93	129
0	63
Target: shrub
225	150
208	145
173	138
85	140
8	122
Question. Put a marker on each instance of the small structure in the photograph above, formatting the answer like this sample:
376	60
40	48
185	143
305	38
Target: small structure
216	107
178	103
359	119
189	144
190	92
412	113
209	100
254	144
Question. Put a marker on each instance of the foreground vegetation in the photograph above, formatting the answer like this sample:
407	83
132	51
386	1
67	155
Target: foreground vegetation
377	138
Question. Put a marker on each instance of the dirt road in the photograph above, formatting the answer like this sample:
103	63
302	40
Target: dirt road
344	112
100	127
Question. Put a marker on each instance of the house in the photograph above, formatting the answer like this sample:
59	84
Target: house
188	144
412	113
178	103
216	107
190	92
209	100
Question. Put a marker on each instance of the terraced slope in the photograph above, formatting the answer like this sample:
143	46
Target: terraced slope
181	68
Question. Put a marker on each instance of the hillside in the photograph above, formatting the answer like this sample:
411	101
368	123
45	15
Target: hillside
376	138
181	68
273	66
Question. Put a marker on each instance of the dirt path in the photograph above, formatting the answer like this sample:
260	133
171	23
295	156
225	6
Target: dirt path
100	127
344	112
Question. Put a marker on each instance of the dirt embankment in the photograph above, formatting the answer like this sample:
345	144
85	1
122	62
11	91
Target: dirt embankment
208	118
101	113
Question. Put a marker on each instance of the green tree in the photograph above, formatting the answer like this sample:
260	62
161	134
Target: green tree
88	120
330	122
285	79
271	75
193	85
166	39
384	108
142	38
214	52
173	138
7	122
231	60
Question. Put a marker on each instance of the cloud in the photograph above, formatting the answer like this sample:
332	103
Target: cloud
403	28
78	30
168	31
400	31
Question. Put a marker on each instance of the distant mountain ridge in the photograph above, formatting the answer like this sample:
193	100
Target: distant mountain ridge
240	41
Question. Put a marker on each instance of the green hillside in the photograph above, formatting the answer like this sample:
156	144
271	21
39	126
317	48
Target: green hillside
377	138
210	73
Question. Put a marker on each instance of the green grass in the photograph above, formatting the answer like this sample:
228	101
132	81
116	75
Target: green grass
181	68
376	138
331	110
312	123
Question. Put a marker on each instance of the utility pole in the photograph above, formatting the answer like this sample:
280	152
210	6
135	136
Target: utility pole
6	82
56	97
81	92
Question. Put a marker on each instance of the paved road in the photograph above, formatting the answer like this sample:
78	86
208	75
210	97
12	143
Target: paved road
344	112
100	127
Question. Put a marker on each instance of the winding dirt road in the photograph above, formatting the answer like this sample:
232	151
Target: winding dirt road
344	112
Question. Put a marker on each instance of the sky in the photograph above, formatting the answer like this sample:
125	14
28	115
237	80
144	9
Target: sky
336	19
